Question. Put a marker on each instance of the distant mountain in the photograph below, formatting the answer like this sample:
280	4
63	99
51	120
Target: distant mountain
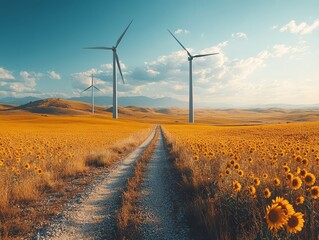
134	101
18	101
107	101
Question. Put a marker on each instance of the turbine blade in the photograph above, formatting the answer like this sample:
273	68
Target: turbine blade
99	48
86	89
179	43
119	66
98	89
119	40
204	55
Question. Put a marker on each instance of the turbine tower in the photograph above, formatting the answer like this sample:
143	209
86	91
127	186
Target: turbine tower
115	62
92	97
191	92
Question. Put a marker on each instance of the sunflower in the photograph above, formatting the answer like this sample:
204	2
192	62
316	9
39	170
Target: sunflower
40	171
300	200
314	192
277	181
236	186
256	181
287	169
265	175
289	176
27	166
309	179
285	205
304	161
275	217
241	173
228	171
252	190
295	183
237	166
298	158
303	172
232	162
196	158
298	170
267	193
295	223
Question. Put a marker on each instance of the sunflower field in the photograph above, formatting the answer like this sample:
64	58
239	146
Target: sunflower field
250	182
36	152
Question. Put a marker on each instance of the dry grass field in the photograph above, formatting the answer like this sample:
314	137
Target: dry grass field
257	182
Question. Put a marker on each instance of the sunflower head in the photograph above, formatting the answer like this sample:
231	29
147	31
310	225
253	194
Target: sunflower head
295	223
314	192
275	217
289	176
27	166
285	205
309	179
237	166
304	161
236	186
252	190
267	193
277	181
300	200
298	170
303	172
256	181
295	183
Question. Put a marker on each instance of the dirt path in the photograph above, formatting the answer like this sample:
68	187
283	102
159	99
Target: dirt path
92	216
159	205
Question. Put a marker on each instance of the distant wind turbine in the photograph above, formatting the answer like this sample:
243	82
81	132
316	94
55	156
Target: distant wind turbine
115	61
92	86
190	59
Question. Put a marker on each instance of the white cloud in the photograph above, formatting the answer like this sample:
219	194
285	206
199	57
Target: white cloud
302	28
178	87
239	35
181	31
30	78
54	75
152	72
5	74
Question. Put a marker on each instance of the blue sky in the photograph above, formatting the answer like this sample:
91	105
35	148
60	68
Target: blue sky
268	49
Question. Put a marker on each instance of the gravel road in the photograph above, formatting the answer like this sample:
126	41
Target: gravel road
92	214
159	205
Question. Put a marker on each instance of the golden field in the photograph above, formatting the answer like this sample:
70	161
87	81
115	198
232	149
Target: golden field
38	152
253	182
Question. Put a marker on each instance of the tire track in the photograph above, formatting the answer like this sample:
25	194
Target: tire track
159	205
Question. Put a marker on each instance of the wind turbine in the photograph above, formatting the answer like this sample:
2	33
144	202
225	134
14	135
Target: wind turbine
115	61
190	59
92	86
